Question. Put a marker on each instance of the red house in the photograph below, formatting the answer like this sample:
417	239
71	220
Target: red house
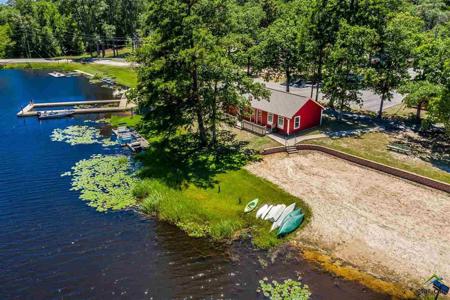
287	112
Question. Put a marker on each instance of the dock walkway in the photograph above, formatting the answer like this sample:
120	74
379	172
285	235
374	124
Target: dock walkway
122	105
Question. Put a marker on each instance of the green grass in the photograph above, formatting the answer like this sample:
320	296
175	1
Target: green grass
130	121
204	191
218	212
254	141
373	146
123	75
123	52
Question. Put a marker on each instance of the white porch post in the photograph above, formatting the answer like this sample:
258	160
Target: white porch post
288	125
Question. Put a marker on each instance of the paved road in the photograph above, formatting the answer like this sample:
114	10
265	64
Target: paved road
371	100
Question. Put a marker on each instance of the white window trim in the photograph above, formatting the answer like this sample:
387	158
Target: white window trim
299	120
270	118
282	123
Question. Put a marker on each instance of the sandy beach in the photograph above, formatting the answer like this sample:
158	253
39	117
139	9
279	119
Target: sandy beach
382	225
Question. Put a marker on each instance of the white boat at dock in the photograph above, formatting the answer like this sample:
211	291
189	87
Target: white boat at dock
54	114
56	74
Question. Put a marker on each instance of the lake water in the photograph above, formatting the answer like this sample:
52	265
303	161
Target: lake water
53	246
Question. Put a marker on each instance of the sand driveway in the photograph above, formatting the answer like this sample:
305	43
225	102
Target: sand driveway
381	224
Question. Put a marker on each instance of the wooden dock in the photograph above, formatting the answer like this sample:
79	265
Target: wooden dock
122	105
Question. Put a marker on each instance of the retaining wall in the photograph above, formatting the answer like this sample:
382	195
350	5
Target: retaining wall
439	185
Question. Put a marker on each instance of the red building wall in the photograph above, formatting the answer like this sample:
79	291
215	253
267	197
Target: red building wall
310	115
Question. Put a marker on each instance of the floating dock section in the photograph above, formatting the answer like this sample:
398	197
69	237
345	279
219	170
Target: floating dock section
122	105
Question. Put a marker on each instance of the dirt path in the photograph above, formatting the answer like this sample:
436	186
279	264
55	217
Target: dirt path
381	224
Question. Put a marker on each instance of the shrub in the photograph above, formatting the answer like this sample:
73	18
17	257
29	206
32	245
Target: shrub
142	190
151	203
224	229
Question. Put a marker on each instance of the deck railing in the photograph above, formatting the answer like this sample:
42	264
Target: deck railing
252	127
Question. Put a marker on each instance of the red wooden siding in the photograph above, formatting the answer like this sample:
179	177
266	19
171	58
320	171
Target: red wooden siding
310	115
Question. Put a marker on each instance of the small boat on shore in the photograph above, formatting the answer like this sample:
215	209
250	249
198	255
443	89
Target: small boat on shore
291	223
261	211
285	213
267	212
54	114
277	213
251	205
108	81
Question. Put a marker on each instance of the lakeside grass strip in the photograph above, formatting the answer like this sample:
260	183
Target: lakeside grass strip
126	76
210	212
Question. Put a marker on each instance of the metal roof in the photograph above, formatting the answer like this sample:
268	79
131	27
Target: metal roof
280	103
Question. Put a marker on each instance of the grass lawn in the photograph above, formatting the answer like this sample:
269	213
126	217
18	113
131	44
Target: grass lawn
373	146
123	75
130	121
123	52
403	111
219	212
254	141
204	192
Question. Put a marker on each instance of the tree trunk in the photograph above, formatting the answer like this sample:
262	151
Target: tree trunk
288	79
341	110
199	112
214	118
319	73
419	111
380	112
248	66
103	49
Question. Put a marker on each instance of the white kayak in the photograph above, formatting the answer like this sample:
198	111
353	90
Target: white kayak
266	214
261	211
276	212
272	212
276	215
284	214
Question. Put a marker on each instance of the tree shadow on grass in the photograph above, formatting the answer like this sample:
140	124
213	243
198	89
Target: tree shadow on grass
179	161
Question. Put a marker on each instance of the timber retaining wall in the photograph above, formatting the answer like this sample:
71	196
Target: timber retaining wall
435	184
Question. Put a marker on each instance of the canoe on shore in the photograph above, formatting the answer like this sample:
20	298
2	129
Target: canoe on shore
283	216
251	205
262	210
292	222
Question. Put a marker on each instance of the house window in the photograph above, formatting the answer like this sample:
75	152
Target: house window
269	118
280	122
297	122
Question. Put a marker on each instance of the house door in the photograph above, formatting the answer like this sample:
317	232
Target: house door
259	117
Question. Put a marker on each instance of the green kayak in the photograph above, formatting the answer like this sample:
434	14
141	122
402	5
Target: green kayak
291	224
296	212
251	205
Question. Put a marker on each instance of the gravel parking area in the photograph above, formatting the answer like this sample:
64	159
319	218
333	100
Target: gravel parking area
381	224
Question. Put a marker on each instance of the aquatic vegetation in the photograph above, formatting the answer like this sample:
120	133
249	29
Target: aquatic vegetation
105	182
80	135
288	290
